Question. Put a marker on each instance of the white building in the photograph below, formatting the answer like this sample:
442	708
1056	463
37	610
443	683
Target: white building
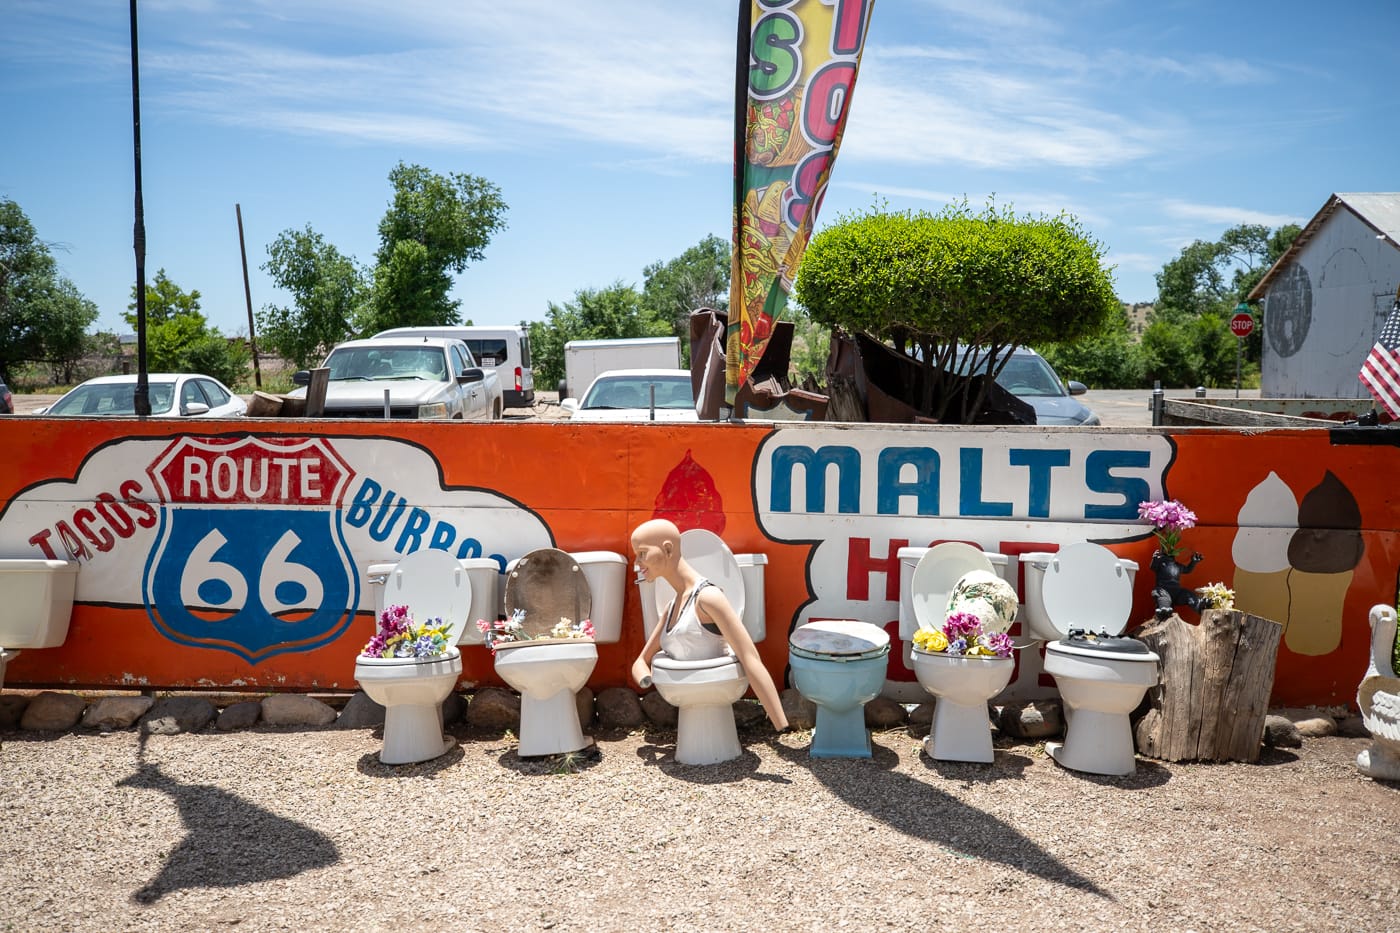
1328	296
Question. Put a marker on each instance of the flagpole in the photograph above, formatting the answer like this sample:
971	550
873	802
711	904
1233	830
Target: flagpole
142	399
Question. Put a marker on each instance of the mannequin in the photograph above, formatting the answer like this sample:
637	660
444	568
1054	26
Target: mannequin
656	545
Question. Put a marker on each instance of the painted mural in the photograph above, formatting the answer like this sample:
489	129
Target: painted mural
235	557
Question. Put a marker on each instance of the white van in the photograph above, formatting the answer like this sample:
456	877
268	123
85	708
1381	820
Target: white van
504	349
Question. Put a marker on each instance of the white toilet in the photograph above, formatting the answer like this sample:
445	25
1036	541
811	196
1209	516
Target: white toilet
432	584
909	557
704	692
961	728
37	596
1078	600
551	585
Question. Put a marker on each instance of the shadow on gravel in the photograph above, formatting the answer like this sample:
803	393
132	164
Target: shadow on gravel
743	768
370	766
926	812
228	841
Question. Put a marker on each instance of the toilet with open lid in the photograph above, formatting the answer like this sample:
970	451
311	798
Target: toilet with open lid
961	729
704	691
1080	599
550	587
433	585
839	665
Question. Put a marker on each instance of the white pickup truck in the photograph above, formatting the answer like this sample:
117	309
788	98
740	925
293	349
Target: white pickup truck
418	377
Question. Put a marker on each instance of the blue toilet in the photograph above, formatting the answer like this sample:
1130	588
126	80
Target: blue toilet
840	666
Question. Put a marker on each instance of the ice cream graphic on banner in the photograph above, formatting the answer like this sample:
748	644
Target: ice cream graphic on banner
1294	562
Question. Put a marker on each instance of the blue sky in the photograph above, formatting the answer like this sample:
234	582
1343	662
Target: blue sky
607	126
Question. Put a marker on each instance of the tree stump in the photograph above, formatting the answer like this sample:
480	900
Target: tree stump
1214	692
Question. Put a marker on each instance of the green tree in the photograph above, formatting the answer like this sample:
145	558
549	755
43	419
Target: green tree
929	282
1211	278
697	278
179	338
435	225
328	291
594	314
1110	359
42	315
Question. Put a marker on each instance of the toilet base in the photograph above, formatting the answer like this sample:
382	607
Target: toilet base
550	726
961	732
5	658
1096	743
706	735
413	733
840	734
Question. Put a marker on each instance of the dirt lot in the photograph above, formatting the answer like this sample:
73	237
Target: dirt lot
274	829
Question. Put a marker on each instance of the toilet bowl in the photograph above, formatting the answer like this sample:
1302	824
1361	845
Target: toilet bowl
37	596
433	585
961	729
704	692
550	586
959	558
1079	600
840	666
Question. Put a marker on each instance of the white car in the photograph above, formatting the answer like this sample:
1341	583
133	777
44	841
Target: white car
172	395
636	395
423	377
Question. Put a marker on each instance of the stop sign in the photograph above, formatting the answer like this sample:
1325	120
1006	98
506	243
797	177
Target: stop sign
1242	325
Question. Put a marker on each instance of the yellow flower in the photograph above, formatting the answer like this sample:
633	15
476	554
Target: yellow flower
931	639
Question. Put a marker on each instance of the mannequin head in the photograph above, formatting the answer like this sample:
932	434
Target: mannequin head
656	545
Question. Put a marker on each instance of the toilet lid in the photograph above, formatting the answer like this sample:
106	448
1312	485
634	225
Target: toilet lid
1119	647
550	586
841	639
936	574
710	556
433	585
1087	588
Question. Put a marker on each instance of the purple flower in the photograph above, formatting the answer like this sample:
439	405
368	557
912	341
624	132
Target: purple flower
962	625
998	643
957	646
1169	519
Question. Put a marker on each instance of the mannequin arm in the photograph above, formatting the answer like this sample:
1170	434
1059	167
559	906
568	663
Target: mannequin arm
714	608
641	668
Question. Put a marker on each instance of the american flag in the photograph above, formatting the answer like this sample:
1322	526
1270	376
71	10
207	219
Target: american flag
1381	371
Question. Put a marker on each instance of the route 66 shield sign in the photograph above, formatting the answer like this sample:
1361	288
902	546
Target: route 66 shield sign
250	556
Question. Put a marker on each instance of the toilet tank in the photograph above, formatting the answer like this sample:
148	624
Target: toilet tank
606	572
753	568
909	558
36	602
484	575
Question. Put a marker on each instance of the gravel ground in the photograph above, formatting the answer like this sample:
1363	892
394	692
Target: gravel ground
274	829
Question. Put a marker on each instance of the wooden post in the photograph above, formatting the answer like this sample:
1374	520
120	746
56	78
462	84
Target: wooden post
1214	692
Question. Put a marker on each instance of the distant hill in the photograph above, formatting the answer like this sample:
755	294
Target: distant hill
1138	313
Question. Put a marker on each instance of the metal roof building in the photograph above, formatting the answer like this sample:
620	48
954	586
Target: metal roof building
1328	296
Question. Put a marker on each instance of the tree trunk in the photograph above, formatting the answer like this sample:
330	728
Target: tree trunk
1214	692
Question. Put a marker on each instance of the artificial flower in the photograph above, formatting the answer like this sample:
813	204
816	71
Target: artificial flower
1169	519
1217	595
962	636
397	636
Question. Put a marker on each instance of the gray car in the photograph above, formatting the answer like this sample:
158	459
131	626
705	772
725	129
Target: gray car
1030	377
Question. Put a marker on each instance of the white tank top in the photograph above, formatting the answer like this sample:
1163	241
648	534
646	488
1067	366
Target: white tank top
688	639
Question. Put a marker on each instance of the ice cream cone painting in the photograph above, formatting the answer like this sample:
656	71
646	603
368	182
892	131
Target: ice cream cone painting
1295	562
1260	550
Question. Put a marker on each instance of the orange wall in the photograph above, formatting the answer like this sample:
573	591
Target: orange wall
143	506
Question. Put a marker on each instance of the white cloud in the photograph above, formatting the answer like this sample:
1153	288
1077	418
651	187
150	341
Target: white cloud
1225	215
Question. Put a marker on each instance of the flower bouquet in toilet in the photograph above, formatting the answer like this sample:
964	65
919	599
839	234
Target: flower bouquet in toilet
964	661
409	668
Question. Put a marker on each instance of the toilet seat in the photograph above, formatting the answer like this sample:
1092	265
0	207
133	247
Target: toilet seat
1091	628
937	572
839	640
433	585
707	553
550	586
